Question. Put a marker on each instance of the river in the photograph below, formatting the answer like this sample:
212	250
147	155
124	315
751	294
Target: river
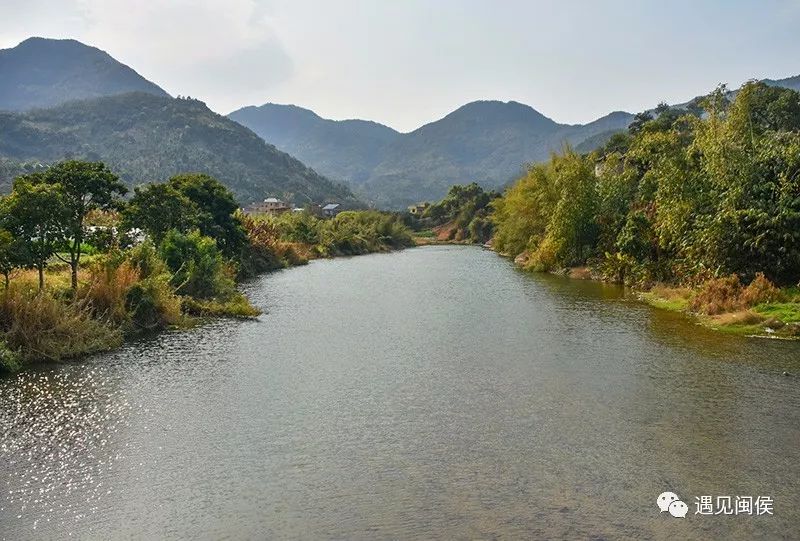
431	393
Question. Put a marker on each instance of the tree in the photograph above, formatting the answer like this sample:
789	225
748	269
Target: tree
11	255
216	210
37	216
639	121
198	267
158	208
86	186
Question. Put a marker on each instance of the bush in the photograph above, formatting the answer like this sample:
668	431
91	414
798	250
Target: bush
152	304
197	265
760	291
42	327
10	360
718	295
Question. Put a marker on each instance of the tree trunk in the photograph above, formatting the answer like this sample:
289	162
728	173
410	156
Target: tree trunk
74	265
7	279
74	260
41	277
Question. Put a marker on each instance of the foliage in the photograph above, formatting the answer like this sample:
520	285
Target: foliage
158	208
683	197
265	250
349	233
197	266
144	137
86	187
37	216
215	210
41	326
465	211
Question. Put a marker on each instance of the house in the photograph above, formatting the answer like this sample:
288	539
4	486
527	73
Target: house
418	209
331	209
270	205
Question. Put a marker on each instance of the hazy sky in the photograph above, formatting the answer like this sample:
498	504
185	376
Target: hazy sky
405	63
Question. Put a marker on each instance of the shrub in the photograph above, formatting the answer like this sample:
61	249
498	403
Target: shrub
718	295
760	291
10	360
197	265
41	327
152	304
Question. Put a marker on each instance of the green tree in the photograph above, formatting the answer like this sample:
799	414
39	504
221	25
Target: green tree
217	208
158	208
12	254
37	215
86	186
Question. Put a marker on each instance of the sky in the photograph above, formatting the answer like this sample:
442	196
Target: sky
408	62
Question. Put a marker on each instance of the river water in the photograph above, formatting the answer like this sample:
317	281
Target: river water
431	393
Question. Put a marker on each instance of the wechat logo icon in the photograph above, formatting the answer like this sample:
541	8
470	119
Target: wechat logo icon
669	501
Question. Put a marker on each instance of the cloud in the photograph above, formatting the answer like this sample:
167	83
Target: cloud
226	52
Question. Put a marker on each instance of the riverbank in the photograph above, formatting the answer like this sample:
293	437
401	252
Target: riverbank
753	318
183	280
758	309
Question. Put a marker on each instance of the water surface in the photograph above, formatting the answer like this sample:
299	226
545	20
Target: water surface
430	393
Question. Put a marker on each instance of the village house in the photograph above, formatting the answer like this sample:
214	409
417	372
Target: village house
331	209
270	205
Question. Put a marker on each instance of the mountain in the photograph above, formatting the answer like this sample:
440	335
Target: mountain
144	137
43	72
789	82
485	141
349	149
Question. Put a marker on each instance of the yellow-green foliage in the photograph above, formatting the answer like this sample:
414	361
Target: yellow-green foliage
235	306
40	326
683	196
349	233
549	213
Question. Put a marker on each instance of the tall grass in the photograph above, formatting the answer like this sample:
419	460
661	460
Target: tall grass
41	327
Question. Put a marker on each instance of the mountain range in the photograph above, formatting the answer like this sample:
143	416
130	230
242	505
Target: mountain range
489	142
62	98
485	141
106	111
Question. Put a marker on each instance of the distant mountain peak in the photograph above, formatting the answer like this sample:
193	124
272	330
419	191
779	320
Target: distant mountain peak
42	72
496	110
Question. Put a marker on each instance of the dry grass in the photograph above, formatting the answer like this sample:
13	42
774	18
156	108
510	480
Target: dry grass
726	294
40	326
761	291
742	317
718	295
108	287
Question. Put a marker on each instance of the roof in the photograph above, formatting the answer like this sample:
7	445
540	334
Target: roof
331	206
271	200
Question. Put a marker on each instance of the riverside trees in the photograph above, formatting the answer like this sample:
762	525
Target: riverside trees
684	196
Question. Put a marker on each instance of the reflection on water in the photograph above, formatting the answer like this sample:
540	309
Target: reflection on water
433	393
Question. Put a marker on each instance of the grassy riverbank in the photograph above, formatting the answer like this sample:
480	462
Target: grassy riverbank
737	310
169	257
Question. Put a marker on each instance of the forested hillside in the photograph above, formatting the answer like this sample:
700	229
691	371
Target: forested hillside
145	138
43	72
